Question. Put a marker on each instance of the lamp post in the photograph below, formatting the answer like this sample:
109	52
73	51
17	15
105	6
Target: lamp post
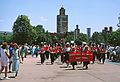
5	38
119	21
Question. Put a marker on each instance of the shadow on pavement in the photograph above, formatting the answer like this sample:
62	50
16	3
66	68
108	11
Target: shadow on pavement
70	69
12	77
39	64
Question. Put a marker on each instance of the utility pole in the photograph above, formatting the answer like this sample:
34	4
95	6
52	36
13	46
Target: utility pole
5	36
119	21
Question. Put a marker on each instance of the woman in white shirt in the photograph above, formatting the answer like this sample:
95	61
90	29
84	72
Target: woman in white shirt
4	59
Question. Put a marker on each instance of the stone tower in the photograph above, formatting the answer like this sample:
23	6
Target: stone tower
76	32
88	34
62	21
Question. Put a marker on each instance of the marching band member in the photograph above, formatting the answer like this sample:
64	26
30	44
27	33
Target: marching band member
73	49
46	48
56	50
79	48
52	54
98	52
86	52
94	51
67	50
42	53
102	56
62	50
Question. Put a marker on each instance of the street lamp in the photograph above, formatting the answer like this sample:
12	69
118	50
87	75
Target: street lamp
119	21
5	34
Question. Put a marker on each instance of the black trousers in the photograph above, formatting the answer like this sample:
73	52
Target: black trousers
85	64
102	58
66	57
52	57
42	58
47	54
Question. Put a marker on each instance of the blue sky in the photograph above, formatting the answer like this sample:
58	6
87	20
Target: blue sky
95	14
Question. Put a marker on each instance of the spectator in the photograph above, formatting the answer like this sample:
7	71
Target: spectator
4	60
16	59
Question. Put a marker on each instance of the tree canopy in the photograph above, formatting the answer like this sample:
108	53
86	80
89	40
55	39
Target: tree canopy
109	38
22	30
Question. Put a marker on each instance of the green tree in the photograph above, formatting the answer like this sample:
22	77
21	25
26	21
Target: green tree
9	37
48	37
118	37
22	30
33	35
81	38
115	38
110	38
98	37
39	34
95	37
69	37
40	29
1	37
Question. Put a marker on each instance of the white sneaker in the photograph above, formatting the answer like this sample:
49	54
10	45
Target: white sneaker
1	78
6	78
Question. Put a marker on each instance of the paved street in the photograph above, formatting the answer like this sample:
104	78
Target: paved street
33	71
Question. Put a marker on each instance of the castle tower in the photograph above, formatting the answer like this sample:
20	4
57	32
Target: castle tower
76	32
62	21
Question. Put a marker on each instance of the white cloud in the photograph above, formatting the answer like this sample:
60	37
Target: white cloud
43	19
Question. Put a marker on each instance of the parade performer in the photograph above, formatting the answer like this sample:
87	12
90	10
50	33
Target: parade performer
52	54
67	50
98	52
56	51
86	52
79	49
102	56
94	51
61	50
46	48
42	53
73	49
